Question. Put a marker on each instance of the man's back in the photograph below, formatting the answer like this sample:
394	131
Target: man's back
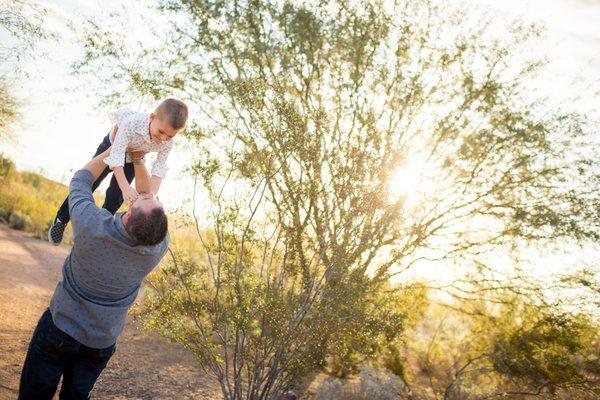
76	337
103	273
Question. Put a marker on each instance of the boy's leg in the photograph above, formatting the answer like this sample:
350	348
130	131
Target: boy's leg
81	375
44	363
114	196
57	228
63	211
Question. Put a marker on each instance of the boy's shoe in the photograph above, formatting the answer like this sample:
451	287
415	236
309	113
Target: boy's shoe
56	231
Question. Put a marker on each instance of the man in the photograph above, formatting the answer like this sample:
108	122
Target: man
110	257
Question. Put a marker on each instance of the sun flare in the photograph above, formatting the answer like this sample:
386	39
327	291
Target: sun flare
411	181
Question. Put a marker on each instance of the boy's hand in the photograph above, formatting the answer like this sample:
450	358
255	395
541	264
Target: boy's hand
130	195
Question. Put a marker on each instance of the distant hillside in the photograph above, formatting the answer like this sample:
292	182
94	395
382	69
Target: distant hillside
29	201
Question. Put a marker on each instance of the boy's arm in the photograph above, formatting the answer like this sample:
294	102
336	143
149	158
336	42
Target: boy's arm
113	133
116	161
118	148
129	193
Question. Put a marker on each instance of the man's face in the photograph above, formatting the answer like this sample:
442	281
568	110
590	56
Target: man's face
147	202
161	131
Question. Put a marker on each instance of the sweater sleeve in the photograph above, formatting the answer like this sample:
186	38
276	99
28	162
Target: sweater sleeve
82	208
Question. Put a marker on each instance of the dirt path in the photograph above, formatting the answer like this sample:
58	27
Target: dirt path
145	365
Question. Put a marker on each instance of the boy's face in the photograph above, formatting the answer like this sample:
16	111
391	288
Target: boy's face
161	131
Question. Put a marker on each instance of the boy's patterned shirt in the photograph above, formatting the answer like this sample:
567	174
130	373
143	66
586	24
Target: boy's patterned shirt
134	133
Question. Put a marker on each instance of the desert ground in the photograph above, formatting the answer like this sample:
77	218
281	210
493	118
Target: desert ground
145	365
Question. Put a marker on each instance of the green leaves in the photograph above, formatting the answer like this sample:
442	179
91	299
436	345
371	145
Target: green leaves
541	350
307	109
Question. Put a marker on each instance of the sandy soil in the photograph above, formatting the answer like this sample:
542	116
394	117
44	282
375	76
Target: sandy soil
145	365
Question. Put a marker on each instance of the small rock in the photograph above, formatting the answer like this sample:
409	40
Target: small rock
290	396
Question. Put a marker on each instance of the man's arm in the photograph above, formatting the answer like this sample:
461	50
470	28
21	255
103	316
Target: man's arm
116	161
82	208
155	183
142	177
159	168
96	164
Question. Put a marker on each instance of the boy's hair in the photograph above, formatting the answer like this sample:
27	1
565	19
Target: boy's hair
174	112
147	229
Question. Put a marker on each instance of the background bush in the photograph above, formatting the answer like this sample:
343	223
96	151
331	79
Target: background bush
31	198
19	221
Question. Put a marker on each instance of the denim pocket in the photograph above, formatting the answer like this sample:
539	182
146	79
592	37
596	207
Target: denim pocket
98	357
53	344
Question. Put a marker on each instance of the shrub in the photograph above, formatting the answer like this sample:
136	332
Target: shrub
370	384
31	195
19	221
6	167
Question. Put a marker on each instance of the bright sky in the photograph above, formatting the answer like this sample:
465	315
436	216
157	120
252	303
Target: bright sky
62	127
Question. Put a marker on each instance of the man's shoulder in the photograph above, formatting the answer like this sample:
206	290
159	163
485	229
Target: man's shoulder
83	174
161	248
96	220
166	241
81	184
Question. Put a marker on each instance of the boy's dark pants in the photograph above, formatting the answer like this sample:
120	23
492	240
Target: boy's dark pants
53	353
114	197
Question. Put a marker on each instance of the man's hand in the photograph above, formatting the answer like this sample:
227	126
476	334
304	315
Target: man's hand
137	155
142	178
129	195
143	181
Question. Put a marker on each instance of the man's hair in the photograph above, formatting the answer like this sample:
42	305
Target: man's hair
147	229
174	112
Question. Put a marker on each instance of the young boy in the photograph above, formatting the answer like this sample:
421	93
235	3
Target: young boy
132	131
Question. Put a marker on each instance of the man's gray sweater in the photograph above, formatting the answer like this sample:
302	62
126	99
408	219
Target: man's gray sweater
103	273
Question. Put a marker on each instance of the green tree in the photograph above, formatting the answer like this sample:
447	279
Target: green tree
306	112
22	22
8	108
510	345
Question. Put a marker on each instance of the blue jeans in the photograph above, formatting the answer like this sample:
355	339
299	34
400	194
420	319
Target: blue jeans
53	353
114	197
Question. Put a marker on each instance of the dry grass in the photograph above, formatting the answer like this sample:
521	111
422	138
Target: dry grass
29	202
